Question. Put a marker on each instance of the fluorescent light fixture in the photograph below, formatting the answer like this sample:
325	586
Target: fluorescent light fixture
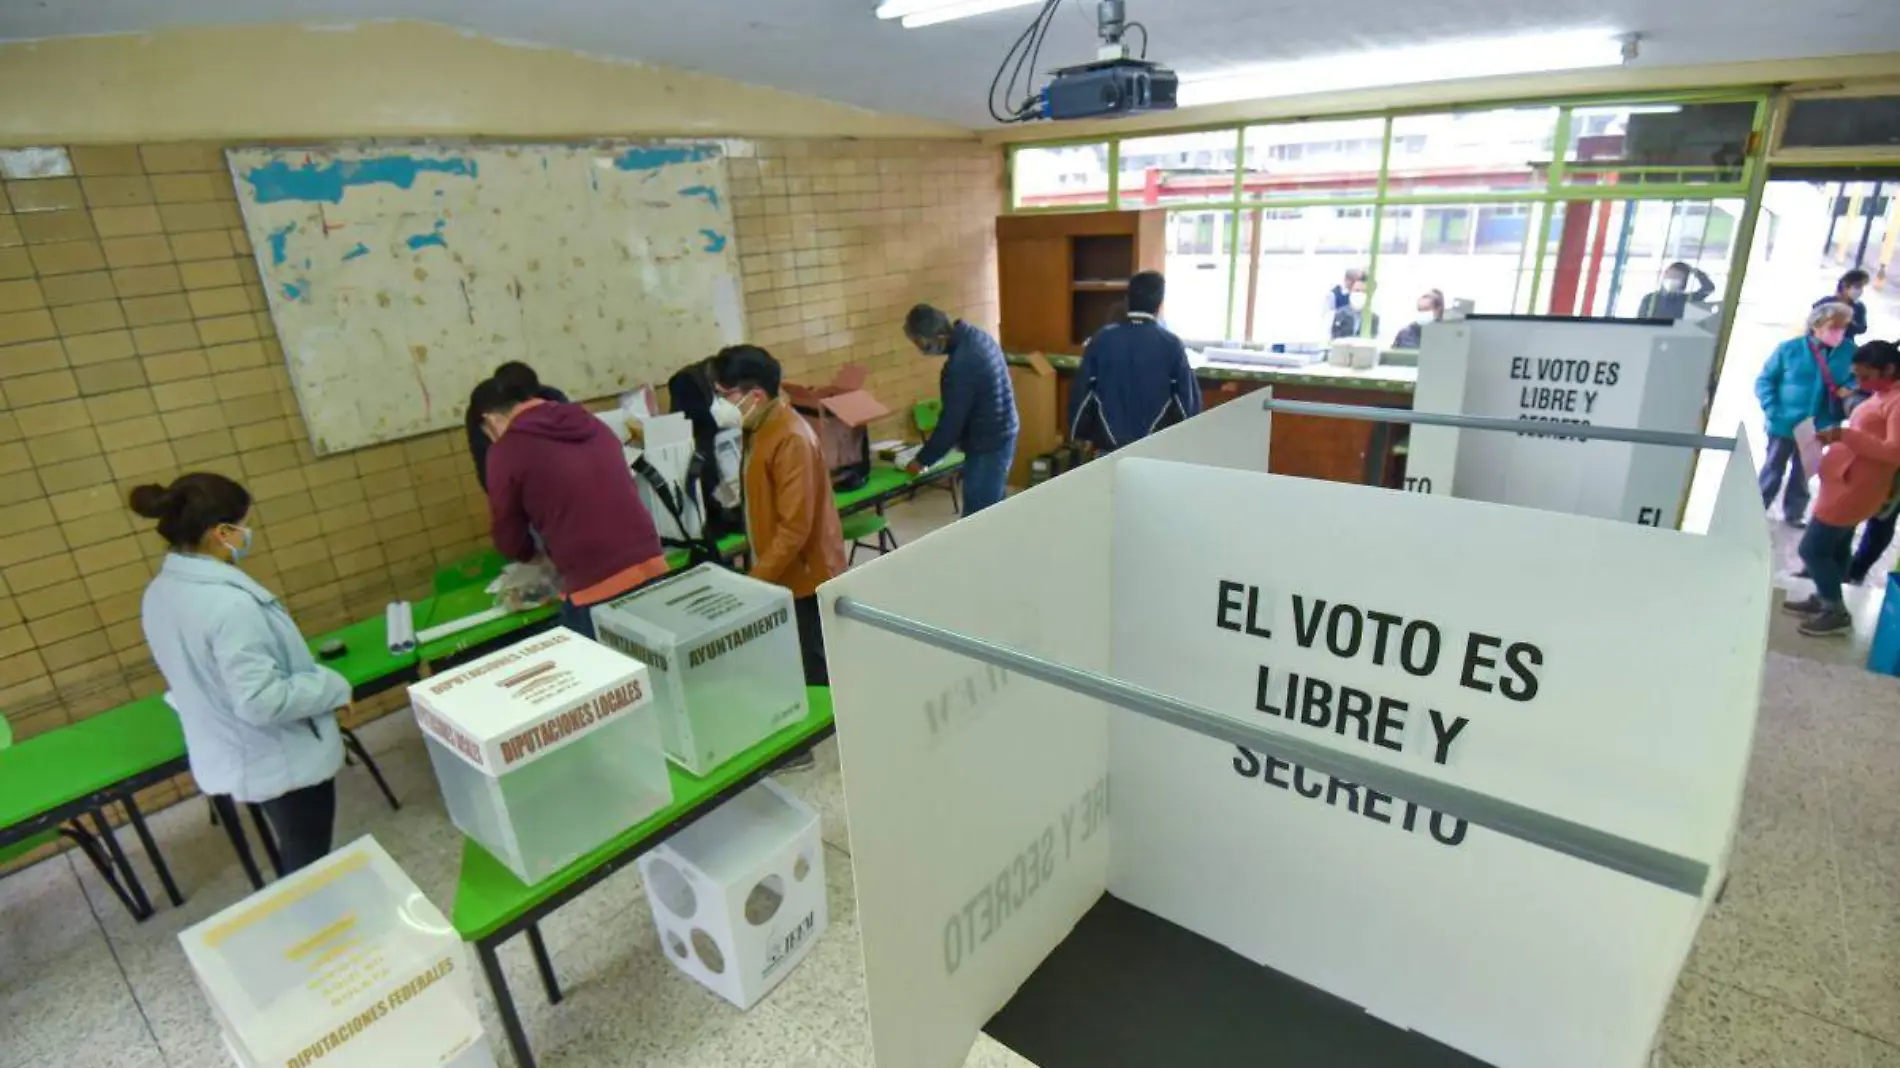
1412	65
917	13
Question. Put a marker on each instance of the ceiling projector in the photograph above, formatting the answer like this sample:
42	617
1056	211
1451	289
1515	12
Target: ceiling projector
1116	83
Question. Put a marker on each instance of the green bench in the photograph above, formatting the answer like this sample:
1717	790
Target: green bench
492	906
56	783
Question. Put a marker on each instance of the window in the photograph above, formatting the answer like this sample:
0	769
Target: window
1060	176
1197	264
1177	168
1301	254
1304	160
1472	252
1504	150
1658	143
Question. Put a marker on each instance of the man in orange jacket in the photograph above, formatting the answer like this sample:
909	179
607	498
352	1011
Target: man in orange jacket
791	519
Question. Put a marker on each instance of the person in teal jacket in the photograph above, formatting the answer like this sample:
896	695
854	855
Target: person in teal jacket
1808	377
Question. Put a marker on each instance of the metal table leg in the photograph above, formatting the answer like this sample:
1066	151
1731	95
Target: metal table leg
505	1004
119	861
227	813
355	746
137	820
89	845
546	966
268	839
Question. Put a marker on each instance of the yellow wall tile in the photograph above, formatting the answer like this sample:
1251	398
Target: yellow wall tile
119	579
202	245
33	357
207	303
97	528
142	462
147	281
75	651
156	311
211	274
15	263
196	448
75	474
13	458
225	358
137	251
93	318
67	257
16	327
185	422
171	158
44	194
41	573
61	290
27	515
119	192
177	365
55	418
64	625
10	236
200	215
228	328
24	486
28	390
15	670
126	222
94	161
63	445
105	378
182	188
116	407
80	504
32	545
21	295
46	227
98	348
191	393
152	340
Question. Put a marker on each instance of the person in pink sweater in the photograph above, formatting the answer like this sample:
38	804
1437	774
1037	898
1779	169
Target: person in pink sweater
1857	481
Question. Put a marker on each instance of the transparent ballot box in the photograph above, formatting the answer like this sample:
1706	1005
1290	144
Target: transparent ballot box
544	750
739	896
344	963
723	652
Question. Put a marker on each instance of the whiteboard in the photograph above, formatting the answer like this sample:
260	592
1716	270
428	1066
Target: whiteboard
400	276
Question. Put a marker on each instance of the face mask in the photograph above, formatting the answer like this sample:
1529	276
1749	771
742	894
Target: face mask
1852	294
1358	301
1831	337
751	409
726	415
1672	285
1425	317
243	547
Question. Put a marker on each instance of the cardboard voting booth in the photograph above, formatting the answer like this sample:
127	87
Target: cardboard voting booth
739	896
1560	708
721	650
1556	371
344	963
841	412
544	749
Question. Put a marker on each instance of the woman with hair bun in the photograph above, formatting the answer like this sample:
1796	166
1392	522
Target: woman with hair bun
259	713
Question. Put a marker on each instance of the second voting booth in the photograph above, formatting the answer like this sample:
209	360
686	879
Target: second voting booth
1471	768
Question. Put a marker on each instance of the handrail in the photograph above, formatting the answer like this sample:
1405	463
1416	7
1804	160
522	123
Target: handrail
1633	435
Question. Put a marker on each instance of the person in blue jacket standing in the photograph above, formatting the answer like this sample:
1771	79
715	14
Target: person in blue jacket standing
1848	291
1808	377
1135	377
979	405
259	713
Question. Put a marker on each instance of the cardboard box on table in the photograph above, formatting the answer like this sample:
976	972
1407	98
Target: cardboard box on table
841	413
1043	423
722	652
545	749
1599	671
344	963
739	896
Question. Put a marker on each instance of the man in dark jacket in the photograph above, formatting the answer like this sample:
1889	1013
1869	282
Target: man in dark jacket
557	469
1848	291
979	405
521	376
1675	296
1135	377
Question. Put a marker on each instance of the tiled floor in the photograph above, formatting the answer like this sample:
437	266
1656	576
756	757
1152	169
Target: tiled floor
1799	967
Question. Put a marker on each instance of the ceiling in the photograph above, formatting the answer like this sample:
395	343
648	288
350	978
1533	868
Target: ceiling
837	50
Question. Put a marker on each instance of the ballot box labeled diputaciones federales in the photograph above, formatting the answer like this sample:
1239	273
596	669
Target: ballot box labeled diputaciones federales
343	964
723	652
544	750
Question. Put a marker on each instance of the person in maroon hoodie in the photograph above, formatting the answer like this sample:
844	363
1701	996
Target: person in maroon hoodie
555	468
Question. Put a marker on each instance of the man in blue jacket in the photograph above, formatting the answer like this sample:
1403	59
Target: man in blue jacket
1848	291
1808	377
1135	377
979	406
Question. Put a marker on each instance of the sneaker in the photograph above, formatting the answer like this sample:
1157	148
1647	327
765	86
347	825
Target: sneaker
1795	521
1830	622
1808	606
1803	573
1857	578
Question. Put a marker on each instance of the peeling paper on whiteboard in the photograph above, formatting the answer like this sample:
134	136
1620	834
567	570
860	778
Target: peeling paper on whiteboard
728	312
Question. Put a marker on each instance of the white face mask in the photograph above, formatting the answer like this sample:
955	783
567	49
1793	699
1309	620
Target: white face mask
726	415
1672	285
1425	317
1358	301
1852	294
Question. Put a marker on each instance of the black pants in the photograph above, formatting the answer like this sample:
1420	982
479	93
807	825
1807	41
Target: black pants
303	820
811	640
1875	535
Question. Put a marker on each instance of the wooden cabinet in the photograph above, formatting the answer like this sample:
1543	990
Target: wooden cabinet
1063	277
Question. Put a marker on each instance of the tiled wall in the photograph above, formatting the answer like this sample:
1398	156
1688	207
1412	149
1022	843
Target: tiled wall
135	345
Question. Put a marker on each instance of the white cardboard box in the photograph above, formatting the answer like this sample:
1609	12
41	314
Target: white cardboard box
344	963
723	651
544	750
739	896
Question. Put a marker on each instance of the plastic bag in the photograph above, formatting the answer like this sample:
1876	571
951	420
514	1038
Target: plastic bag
524	586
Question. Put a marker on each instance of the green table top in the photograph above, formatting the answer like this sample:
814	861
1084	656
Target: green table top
455	604
488	895
729	546
885	480
61	766
366	656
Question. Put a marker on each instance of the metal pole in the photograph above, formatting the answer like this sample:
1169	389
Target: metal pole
1684	875
1633	435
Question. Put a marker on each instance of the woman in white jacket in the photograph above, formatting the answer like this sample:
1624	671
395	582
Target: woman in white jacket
259	713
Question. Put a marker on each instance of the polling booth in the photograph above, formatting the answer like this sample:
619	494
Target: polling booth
1633	374
1456	777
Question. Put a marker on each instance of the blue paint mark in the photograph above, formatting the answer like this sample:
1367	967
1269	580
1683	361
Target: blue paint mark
359	251
295	290
419	242
710	194
277	239
652	159
278	181
715	241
